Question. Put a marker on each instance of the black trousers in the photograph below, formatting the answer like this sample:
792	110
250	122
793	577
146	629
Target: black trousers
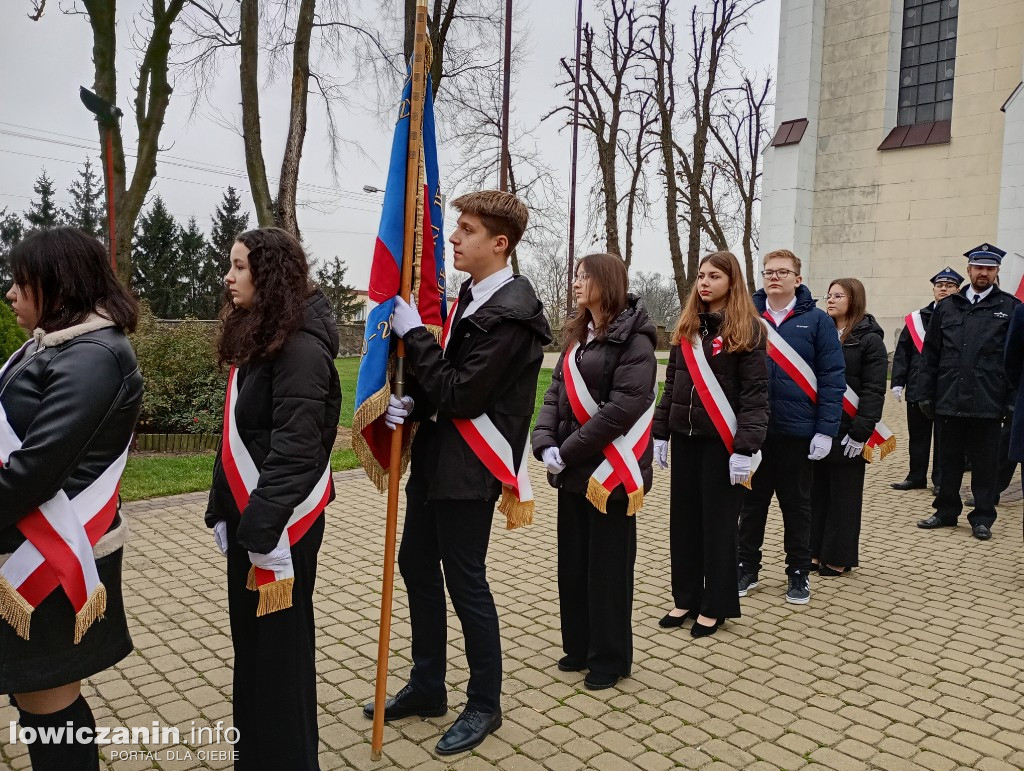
596	555
976	439
274	689
785	472
1007	467
921	428
837	497
703	528
452	535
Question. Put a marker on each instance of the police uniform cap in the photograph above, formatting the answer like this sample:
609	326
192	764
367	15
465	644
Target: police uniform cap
985	254
947	274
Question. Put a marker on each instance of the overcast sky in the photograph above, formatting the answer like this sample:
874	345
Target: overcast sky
42	122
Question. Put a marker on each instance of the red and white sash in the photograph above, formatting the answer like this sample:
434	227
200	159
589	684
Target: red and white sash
275	587
793	364
714	399
621	464
495	452
58	551
915	325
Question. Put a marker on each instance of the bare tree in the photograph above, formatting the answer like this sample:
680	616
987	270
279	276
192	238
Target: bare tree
658	293
545	267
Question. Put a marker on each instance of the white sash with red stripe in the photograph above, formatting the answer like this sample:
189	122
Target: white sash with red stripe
915	325
58	551
621	464
495	452
714	399
275	587
793	364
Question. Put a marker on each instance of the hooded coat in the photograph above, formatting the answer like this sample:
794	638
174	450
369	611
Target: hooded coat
867	365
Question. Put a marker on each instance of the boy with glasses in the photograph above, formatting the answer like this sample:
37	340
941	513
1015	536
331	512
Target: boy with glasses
806	396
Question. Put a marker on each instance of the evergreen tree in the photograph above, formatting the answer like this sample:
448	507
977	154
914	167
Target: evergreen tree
195	259
160	274
43	214
11	231
88	210
330	277
228	221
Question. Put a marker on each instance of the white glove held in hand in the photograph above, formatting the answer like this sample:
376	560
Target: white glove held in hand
220	535
661	452
552	460
853	449
821	445
897	392
404	318
398	410
739	468
276	560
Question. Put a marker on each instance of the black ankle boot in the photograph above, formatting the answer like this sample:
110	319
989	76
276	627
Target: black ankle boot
62	756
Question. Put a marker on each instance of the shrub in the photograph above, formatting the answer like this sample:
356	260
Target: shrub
184	385
12	337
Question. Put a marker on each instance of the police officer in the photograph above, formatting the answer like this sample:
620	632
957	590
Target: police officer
964	387
906	371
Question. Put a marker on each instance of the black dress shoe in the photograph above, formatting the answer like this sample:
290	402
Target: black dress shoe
825	570
933	522
668	620
572	664
468	731
908	484
408	702
981	532
598	681
699	630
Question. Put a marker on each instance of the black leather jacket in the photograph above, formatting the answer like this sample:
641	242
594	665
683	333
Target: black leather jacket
73	401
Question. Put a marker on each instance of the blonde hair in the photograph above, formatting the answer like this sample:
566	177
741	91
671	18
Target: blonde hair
741	326
501	213
783	254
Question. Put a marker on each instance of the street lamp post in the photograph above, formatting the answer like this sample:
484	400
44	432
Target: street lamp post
572	172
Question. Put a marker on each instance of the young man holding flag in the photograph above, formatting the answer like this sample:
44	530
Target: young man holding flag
805	387
474	394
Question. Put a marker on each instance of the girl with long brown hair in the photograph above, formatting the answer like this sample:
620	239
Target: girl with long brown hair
271	483
837	492
715	413
602	390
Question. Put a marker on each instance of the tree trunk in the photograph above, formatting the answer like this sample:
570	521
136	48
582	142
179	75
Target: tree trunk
287	191
251	133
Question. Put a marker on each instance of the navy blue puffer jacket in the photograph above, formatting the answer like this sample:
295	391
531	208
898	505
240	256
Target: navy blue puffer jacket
812	334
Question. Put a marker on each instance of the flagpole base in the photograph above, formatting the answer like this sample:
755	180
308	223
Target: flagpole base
375	755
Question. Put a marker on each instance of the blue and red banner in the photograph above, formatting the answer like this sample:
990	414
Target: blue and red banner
371	439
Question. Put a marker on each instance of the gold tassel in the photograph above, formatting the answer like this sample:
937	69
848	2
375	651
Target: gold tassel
93	609
277	595
14	609
517	513
598	495
636	502
250	580
884	449
369	411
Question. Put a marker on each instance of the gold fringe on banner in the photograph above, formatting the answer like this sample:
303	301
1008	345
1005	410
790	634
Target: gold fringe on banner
517	513
369	411
277	595
14	609
93	610
883	449
598	495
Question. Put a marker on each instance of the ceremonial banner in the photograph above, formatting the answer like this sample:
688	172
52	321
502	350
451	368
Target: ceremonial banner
916	328
371	439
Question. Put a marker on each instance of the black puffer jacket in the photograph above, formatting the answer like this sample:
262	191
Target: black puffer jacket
287	411
490	366
744	379
906	360
867	365
631	339
962	370
73	399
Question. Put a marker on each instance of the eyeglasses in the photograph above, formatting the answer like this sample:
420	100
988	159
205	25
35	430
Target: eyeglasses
839	296
780	273
582	277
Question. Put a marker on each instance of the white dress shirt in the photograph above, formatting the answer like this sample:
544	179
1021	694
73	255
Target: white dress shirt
482	292
779	316
971	294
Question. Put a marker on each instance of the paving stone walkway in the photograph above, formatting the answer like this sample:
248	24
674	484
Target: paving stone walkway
915	660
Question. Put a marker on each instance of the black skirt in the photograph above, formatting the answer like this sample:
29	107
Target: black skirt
50	657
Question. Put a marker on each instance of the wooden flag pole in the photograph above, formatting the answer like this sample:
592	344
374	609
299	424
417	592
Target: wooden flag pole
413	200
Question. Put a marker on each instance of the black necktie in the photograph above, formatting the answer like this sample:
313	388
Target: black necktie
976	298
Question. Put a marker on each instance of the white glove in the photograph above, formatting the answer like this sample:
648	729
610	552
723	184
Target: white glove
278	559
661	452
739	468
553	460
220	535
853	449
404	318
821	445
897	392
398	410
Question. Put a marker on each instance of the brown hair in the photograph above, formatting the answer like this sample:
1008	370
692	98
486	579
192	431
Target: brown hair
607	274
857	303
501	213
741	326
280	279
783	254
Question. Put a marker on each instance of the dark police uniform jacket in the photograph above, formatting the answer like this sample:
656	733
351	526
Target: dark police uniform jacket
906	360
962	370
